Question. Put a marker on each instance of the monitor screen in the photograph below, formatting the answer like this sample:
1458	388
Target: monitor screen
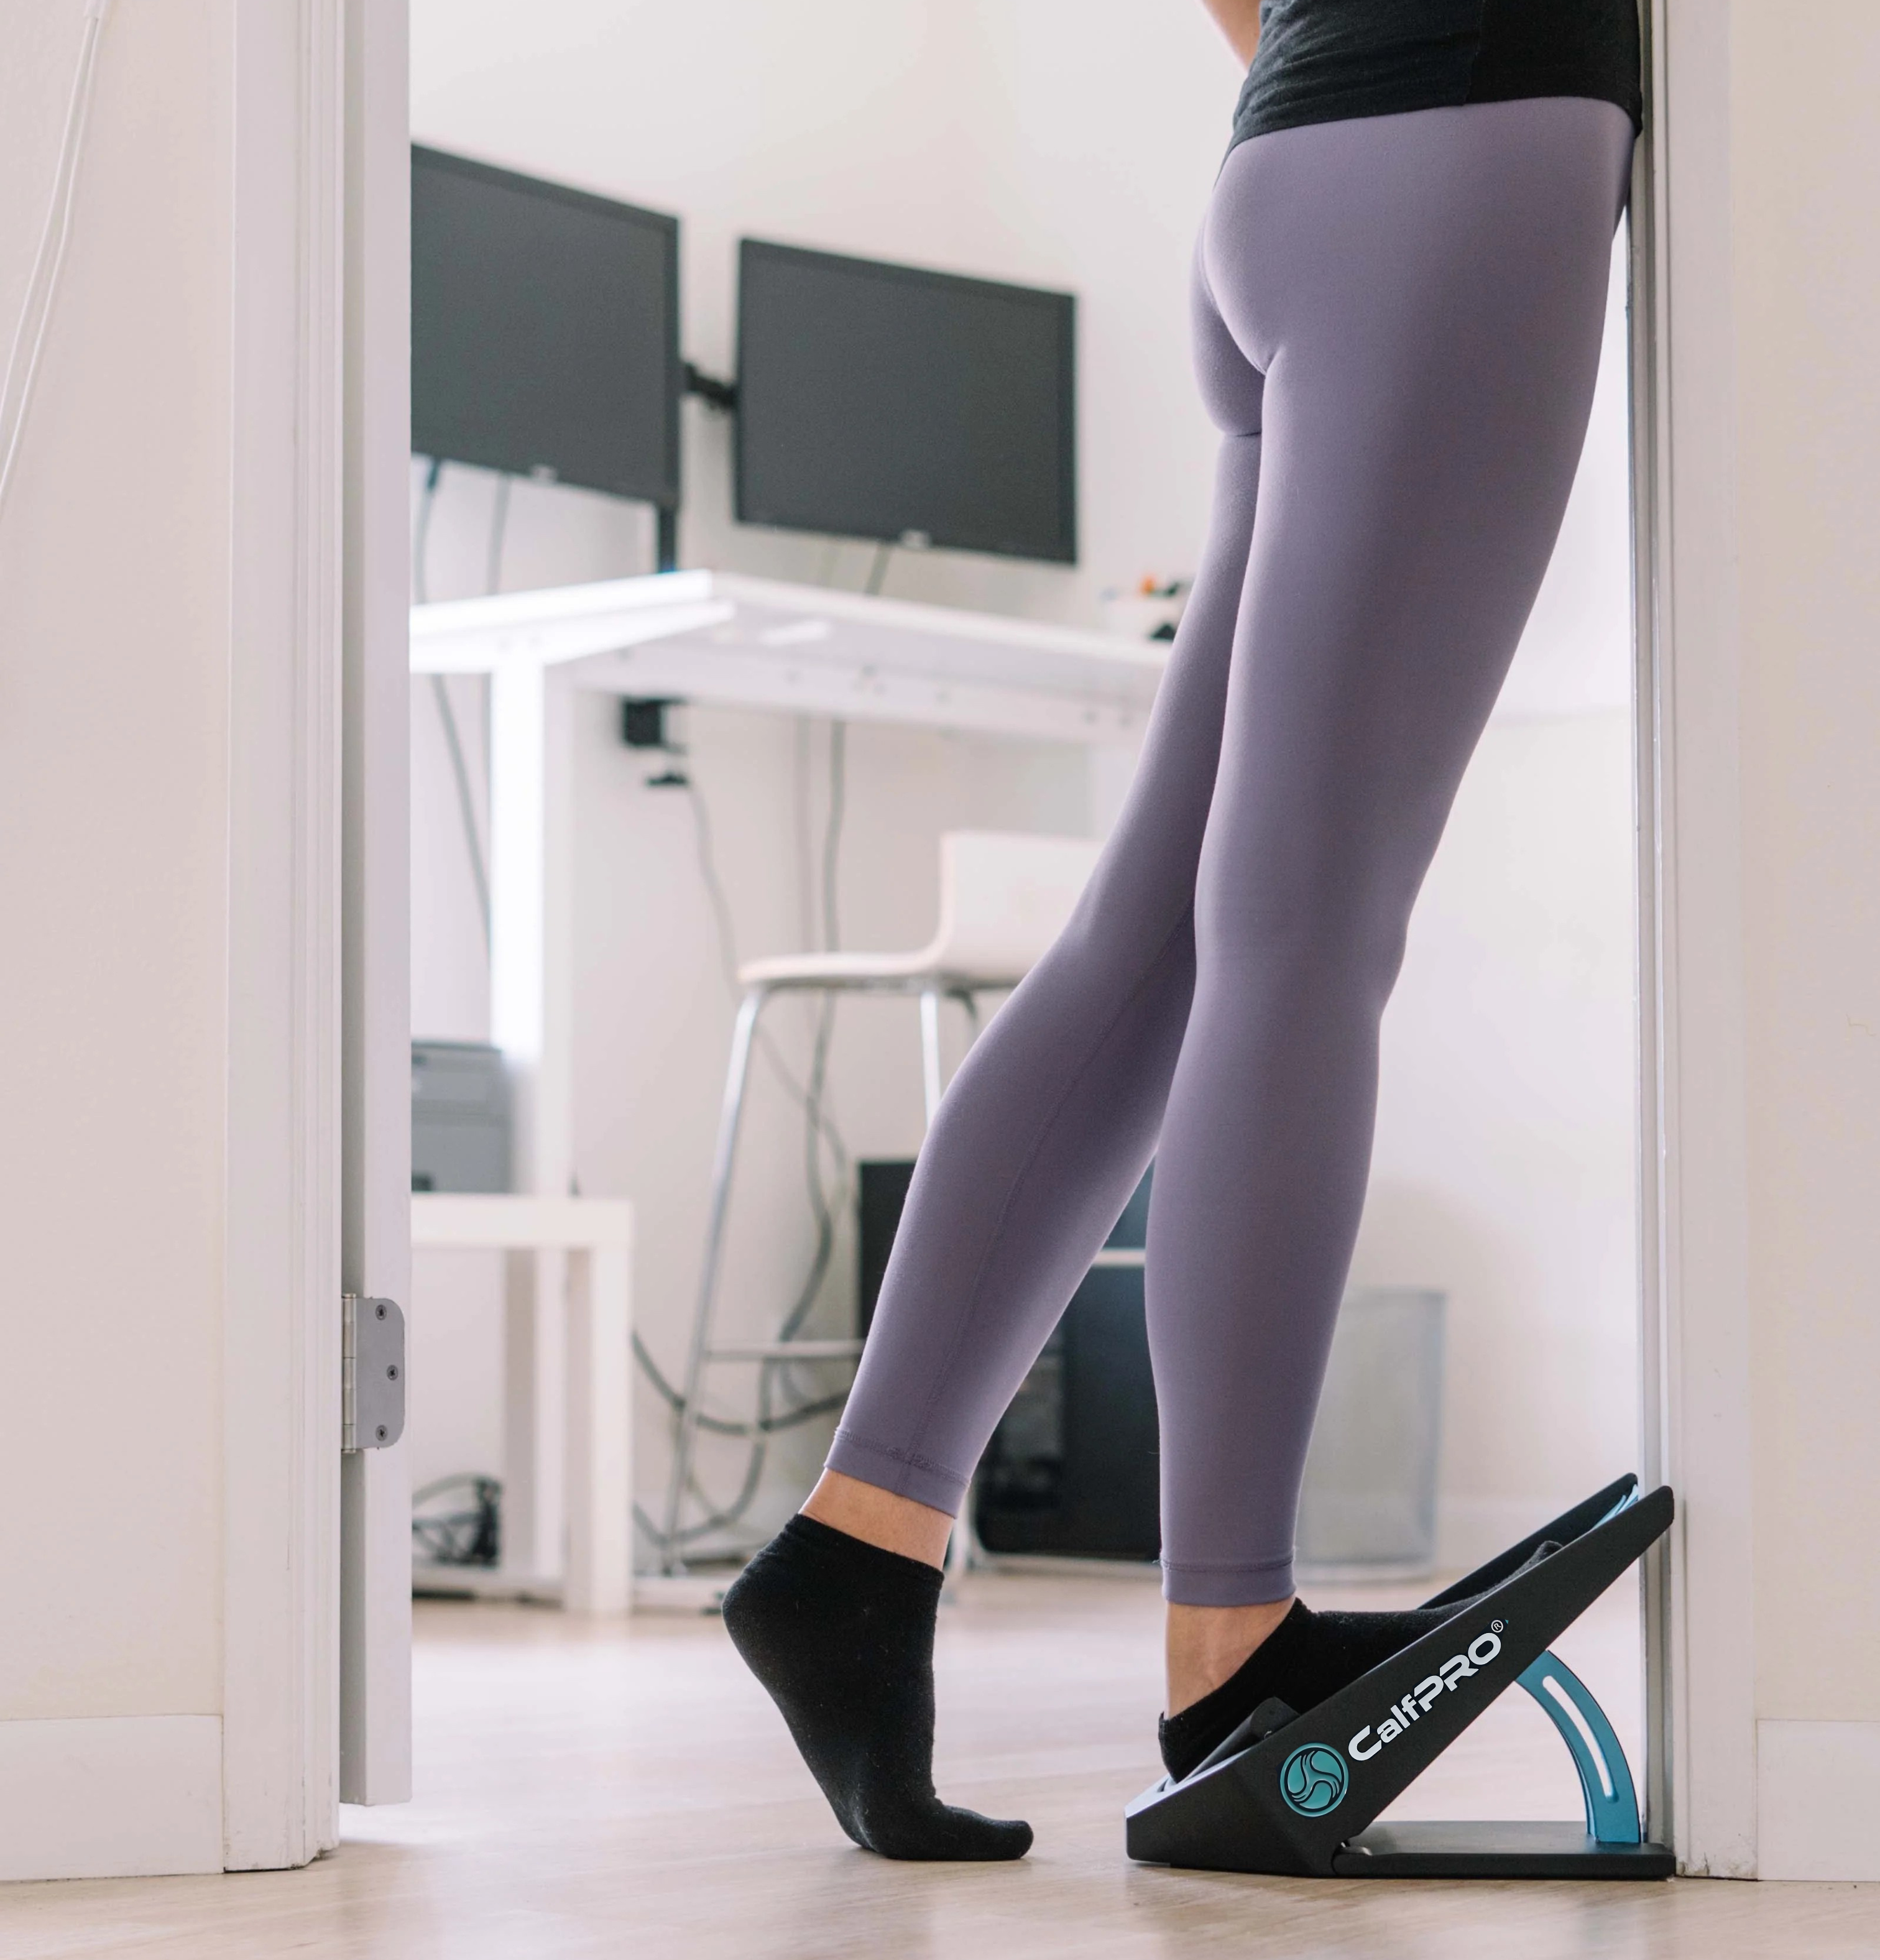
544	330
878	401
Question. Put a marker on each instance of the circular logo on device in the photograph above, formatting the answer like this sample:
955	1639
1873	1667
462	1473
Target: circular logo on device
1313	1779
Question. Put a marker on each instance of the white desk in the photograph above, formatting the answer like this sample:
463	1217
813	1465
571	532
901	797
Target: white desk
567	1469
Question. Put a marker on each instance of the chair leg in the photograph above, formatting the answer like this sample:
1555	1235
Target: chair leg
736	1078
931	1053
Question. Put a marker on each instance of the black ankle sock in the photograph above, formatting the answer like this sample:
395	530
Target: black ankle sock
1307	1657
841	1633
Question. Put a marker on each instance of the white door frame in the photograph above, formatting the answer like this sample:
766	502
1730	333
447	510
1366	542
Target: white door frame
1695	1345
317	764
375	1577
300	227
281	1352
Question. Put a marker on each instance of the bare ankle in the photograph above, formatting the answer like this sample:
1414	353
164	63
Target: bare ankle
880	1517
1208	1645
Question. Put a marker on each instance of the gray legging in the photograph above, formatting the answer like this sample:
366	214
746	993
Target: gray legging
1397	322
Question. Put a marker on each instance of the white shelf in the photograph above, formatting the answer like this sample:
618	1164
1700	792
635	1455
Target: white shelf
567	1471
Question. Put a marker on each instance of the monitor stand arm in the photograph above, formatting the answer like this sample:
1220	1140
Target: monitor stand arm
722	396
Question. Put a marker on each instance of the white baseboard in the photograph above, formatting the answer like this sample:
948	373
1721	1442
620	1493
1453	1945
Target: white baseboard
1470	1531
1818	1800
123	1797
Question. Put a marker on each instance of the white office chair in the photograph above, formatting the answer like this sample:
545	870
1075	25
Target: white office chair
1003	899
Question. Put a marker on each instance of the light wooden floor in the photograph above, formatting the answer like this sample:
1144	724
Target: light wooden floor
626	1791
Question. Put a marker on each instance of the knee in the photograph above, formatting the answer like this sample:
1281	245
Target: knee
1333	939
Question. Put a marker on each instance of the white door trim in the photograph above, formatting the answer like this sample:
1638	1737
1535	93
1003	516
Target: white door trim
280	1660
375	1583
281	1380
1700	1654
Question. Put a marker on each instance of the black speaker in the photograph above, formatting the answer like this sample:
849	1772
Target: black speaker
881	1190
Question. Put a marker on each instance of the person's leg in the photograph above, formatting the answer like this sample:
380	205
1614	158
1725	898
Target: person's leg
1425	294
1038	1143
1463	348
1052	1119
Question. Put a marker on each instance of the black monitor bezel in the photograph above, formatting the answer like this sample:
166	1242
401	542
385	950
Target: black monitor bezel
666	494
1065	304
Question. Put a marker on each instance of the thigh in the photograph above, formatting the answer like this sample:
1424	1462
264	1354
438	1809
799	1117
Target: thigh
1144	885
1426	295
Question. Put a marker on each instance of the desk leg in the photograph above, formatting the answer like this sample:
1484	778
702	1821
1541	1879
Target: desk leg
599	1435
536	1374
531	998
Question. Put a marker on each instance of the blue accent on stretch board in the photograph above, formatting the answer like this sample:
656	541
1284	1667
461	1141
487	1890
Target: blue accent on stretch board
1606	1781
1625	1504
1313	1779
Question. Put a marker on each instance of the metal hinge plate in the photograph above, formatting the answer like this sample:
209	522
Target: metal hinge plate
372	1373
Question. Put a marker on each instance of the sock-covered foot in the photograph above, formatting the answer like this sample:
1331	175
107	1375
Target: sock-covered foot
1307	1657
841	1633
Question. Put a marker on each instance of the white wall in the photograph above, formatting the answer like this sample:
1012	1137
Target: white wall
1071	146
114	646
1808	287
1766	831
1807	424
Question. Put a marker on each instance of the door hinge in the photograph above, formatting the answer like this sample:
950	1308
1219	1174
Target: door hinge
372	1372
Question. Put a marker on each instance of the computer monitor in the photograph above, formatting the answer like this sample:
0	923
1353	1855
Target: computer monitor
881	401
544	330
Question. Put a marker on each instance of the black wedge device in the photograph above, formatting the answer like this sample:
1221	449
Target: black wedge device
1296	1795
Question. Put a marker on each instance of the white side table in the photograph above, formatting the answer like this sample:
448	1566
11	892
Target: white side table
578	1449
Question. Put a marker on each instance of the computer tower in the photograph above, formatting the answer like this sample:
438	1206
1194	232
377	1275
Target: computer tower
461	1117
1073	1467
